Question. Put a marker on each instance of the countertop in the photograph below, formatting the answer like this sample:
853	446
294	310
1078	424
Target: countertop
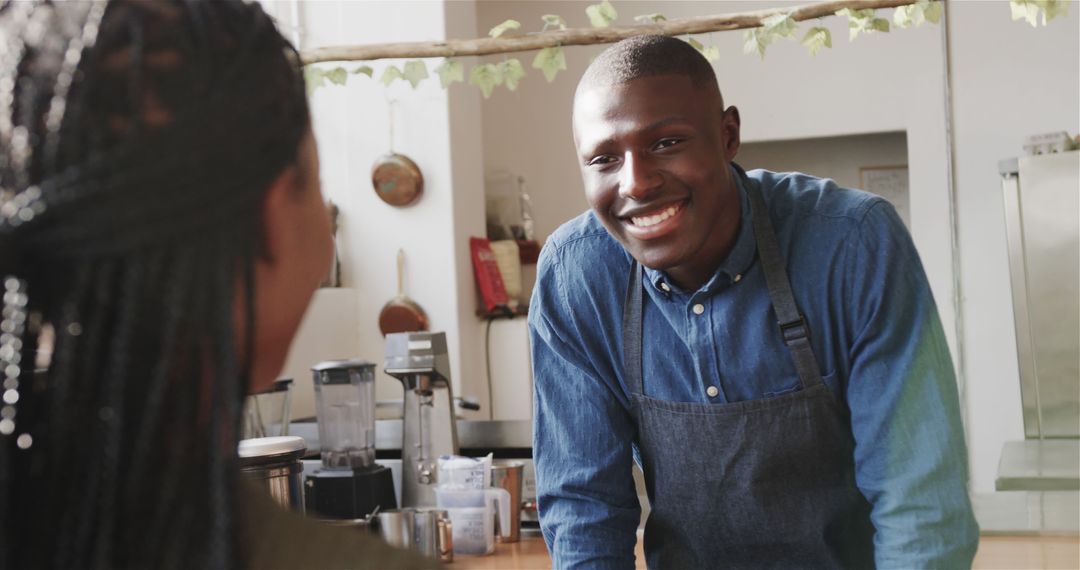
528	553
994	552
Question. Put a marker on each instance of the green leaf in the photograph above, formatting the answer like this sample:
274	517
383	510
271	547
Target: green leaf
1025	9
313	78
504	27
910	15
486	77
863	21
363	70
933	12
816	39
755	41
389	75
512	71
653	18
601	15
550	61
711	53
450	71
553	21
337	75
415	72
780	26
1054	8
694	43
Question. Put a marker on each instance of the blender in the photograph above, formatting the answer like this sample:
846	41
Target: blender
420	361
348	484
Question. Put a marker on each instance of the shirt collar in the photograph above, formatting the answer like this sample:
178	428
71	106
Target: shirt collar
736	263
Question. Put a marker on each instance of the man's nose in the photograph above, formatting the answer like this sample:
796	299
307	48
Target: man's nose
640	177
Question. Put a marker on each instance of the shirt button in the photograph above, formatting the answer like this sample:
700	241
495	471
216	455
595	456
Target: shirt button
699	308
665	287
712	391
737	278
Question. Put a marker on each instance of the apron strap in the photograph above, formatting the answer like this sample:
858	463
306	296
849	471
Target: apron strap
633	329
793	327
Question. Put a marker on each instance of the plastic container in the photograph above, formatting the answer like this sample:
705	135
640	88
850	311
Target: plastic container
345	405
472	513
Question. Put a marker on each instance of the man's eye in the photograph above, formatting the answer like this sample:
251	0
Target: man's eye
600	160
666	143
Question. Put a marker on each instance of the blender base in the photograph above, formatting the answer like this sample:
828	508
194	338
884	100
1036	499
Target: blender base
349	493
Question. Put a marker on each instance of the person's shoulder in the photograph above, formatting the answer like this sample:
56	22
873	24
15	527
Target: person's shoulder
581	242
798	195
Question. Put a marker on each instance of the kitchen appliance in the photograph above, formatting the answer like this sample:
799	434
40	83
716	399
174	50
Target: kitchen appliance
348	484
275	463
1042	221
420	361
267	414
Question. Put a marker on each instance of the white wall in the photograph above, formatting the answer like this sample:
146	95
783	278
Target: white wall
839	158
437	129
1008	81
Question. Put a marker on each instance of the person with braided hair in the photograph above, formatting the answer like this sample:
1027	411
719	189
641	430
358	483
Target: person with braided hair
162	229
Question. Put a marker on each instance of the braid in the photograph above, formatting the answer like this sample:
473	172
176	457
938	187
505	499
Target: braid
131	180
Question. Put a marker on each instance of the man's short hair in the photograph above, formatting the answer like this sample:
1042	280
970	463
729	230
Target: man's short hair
646	56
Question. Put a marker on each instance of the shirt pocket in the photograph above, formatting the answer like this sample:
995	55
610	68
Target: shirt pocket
791	384
785	386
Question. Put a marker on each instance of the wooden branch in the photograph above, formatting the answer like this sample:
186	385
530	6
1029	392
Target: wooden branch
583	36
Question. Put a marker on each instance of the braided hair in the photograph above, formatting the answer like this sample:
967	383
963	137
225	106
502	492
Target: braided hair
138	138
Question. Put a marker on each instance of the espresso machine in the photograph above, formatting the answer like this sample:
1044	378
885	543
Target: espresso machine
348	484
420	361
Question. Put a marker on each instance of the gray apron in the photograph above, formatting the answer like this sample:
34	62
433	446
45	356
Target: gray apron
756	484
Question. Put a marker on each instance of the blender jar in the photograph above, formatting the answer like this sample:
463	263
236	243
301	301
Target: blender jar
345	405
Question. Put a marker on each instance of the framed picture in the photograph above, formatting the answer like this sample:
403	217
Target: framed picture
891	183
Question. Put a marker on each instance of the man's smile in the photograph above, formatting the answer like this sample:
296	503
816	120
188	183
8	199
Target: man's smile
656	222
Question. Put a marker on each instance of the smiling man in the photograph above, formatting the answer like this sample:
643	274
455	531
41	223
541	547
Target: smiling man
764	345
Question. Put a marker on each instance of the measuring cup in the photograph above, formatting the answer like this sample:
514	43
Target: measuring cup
472	513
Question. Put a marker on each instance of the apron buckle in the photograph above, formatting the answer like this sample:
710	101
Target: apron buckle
794	330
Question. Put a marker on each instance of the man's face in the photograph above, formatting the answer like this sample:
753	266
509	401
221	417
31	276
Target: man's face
654	158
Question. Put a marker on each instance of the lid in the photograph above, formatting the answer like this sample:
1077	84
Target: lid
337	371
279	385
272	446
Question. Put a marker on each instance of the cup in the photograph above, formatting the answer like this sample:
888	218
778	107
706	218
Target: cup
509	476
396	527
431	534
472	513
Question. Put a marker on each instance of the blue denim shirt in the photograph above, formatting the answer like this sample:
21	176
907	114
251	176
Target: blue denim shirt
874	328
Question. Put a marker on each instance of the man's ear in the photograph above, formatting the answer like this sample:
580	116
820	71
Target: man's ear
276	215
730	123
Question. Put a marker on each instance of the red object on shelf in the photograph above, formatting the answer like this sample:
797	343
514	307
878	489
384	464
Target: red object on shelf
528	251
488	278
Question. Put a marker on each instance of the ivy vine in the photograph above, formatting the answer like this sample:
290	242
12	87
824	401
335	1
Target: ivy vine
551	60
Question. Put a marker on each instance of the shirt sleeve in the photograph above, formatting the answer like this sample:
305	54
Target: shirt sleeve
582	440
910	454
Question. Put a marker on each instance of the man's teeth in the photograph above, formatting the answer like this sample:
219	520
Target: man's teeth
645	221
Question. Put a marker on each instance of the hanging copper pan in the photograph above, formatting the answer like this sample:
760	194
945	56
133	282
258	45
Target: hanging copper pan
402	314
397	179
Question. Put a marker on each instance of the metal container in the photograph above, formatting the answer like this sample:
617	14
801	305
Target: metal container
397	526
509	475
275	463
